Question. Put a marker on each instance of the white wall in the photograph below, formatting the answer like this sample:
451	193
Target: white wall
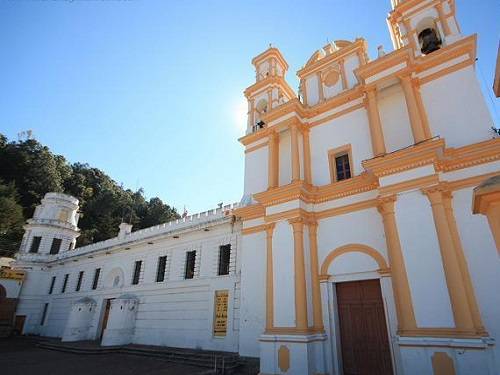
456	108
351	128
423	262
394	118
256	171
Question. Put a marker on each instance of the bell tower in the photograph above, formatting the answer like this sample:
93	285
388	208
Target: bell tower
270	89
53	227
423	25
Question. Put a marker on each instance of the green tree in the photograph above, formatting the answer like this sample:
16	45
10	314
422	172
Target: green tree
11	220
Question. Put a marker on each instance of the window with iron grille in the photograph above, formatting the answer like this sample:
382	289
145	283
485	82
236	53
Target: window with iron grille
160	272
96	278
224	258
65	283
137	272
35	244
342	167
79	282
56	246
44	314
190	263
52	283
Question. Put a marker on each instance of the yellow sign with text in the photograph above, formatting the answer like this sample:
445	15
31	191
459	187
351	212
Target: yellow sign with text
220	318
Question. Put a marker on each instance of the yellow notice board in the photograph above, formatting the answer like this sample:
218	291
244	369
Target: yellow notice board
220	318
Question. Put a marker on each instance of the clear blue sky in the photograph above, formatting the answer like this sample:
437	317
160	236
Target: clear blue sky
151	92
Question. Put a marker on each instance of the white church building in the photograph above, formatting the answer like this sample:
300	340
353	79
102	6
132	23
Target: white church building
368	237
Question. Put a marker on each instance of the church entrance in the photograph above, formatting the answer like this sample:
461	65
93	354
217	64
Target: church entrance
105	317
363	331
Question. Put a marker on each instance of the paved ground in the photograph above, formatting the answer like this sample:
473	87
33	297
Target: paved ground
20	356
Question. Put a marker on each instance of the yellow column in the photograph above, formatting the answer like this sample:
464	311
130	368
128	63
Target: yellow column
269	278
493	215
307	156
442	18
462	263
295	152
376	132
343	75
300	274
273	156
321	94
423	113
411	104
400	284
454	279
316	292
252	113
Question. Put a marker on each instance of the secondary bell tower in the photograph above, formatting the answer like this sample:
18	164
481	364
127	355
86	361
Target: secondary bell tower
270	89
53	227
423	25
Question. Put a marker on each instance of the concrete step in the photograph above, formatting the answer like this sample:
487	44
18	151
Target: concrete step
200	358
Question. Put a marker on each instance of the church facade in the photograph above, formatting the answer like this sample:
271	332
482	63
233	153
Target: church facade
367	240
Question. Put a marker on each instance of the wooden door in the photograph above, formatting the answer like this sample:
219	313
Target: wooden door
363	331
105	317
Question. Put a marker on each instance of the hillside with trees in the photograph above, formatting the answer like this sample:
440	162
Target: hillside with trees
29	169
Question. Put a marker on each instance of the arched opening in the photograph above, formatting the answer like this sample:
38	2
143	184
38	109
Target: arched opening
428	36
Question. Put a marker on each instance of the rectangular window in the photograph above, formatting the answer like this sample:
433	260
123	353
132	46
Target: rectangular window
160	272
79	282
65	283
137	272
56	246
224	257
35	244
96	278
342	167
190	262
52	283
44	314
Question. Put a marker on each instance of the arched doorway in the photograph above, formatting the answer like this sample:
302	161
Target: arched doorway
361	336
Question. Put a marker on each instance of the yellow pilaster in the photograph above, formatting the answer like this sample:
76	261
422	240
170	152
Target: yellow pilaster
453	275
376	132
400	284
443	19
269	278
307	156
316	292
462	263
417	128
294	132
300	274
273	159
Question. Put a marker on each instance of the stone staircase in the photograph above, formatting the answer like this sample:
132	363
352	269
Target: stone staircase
217	362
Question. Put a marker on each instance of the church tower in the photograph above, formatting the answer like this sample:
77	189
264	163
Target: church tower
54	226
270	89
423	25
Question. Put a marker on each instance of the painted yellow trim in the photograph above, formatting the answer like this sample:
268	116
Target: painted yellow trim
256	147
470	155
442	364
353	248
306	151
372	203
316	292
337	114
269	277
299	273
253	211
284	358
255	229
400	283
462	263
486	201
273	159
417	128
376	133
294	134
338	151
415	183
454	280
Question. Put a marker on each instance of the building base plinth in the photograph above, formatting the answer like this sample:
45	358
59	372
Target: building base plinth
292	354
429	355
